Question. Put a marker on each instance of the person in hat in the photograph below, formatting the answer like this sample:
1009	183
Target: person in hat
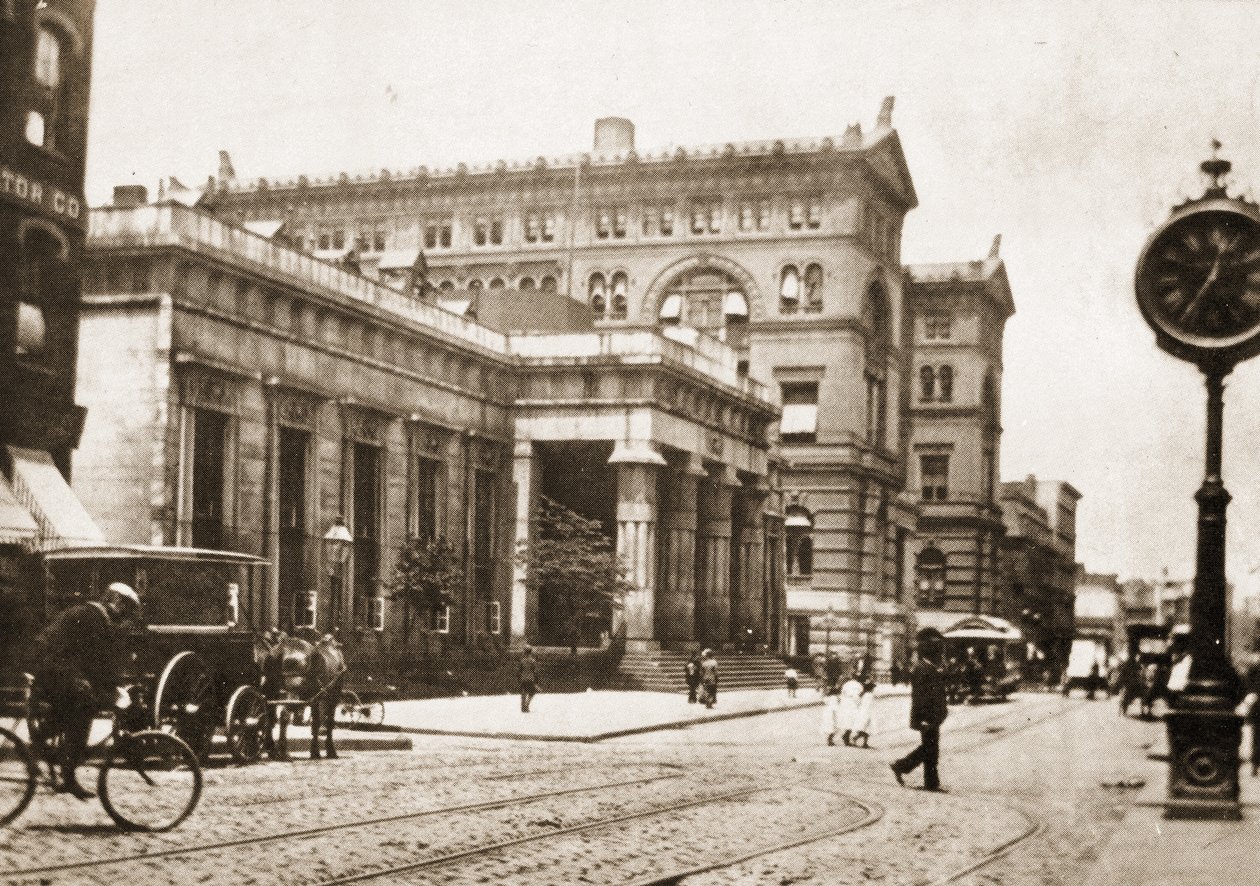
928	710
527	677
708	677
80	659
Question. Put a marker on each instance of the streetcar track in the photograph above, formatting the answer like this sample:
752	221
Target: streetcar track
1036	826
450	857
323	829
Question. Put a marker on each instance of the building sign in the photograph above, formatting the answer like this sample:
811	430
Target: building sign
40	195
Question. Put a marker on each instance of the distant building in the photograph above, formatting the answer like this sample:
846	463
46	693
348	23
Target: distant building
959	311
45	72
1099	610
1038	562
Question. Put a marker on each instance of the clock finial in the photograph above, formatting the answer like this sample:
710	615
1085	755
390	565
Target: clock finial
1215	169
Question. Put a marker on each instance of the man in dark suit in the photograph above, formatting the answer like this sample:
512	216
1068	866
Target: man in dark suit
928	710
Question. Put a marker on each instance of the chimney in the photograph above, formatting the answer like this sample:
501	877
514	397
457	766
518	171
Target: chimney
614	135
226	172
995	251
131	195
885	113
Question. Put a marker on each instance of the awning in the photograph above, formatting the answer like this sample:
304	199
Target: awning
798	520
799	418
266	229
397	259
39	486
17	526
735	305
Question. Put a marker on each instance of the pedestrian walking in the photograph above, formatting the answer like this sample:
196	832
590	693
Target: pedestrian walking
709	677
862	721
527	677
789	675
928	711
832	670
1252	703
830	717
691	673
850	694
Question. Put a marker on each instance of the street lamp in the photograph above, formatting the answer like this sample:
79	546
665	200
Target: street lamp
337	545
1197	290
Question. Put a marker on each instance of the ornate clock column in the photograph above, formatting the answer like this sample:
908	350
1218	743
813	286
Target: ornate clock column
1194	287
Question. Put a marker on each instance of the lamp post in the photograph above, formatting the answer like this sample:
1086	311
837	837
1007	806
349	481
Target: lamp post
1198	287
337	545
829	622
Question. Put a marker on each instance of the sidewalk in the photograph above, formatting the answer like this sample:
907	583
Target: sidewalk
1149	849
586	716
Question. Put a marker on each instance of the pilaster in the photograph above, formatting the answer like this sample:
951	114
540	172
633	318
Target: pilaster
524	606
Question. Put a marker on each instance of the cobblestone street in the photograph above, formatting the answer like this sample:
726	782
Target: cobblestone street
660	807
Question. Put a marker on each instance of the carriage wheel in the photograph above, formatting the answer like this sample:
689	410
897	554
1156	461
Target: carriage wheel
348	708
373	713
246	724
184	702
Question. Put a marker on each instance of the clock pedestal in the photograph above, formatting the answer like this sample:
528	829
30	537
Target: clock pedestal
1203	731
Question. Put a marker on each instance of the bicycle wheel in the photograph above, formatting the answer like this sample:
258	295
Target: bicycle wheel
348	707
17	776
151	781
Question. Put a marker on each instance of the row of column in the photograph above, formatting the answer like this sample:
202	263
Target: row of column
695	557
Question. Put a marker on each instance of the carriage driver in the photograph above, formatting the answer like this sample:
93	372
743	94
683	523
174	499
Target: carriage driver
79	658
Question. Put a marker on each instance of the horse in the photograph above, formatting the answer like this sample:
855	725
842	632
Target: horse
308	669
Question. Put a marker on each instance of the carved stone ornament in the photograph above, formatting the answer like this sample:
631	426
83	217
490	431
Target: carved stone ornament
716	444
364	426
295	410
209	391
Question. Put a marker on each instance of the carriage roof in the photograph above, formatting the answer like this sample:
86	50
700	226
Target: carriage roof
153	552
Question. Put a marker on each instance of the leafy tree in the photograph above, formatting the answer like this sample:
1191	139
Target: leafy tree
428	574
574	563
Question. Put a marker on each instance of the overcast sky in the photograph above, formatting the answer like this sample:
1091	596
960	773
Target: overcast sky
1069	127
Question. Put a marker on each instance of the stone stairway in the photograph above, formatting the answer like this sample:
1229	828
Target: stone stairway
663	671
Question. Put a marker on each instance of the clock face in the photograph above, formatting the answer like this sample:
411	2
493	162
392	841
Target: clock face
1198	280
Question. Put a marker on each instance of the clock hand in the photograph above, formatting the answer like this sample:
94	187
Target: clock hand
1203	290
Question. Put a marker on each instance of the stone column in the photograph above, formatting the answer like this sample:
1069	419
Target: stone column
524	614
637	466
676	597
713	571
747	606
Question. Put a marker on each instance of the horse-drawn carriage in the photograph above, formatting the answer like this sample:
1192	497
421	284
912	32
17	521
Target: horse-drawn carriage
195	657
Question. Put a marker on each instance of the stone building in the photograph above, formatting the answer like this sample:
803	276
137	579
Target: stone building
246	395
788	252
45	71
1099	610
959	314
1038	567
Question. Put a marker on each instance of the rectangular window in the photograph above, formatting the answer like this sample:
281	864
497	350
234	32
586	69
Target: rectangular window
292	577
800	412
549	227
611	222
658	220
796	214
378	613
48	59
441	619
876	399
208	476
706	215
325	240
747	217
934	476
366	510
338	239
532	227
813	213
481	231
304	608
494	622
483	533
936	327
428	474
496	232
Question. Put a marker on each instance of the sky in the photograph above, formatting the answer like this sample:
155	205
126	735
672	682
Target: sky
1069	127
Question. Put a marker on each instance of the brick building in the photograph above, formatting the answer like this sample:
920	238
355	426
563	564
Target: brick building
45	69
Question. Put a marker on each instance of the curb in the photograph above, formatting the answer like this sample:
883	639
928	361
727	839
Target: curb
392	742
617	733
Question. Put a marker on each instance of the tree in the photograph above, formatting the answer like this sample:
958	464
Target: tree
428	575
574	563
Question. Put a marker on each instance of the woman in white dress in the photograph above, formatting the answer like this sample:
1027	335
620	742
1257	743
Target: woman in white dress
850	694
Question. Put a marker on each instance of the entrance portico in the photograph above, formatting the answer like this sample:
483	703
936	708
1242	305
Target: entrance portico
685	476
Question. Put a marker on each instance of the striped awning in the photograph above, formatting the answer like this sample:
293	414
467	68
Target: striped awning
17	526
40	488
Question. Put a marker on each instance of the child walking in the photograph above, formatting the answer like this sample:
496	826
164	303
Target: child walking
790	676
850	693
862	720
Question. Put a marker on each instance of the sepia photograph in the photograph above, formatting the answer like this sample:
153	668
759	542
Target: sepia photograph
572	443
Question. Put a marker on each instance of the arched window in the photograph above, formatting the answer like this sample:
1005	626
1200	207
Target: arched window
619	286
735	307
671	308
547	284
44	121
946	376
875	312
930	578
708	298
927	383
526	284
789	290
497	283
813	288
597	293
446	286
41	334
799	528
474	286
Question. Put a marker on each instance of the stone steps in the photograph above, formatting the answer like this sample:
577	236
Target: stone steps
663	671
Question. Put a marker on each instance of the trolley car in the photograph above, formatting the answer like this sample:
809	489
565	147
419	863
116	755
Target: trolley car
196	652
997	648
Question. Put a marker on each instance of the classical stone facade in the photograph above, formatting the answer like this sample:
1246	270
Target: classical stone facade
960	311
245	395
788	252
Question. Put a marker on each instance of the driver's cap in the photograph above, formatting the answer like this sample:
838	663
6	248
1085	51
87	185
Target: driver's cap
125	590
